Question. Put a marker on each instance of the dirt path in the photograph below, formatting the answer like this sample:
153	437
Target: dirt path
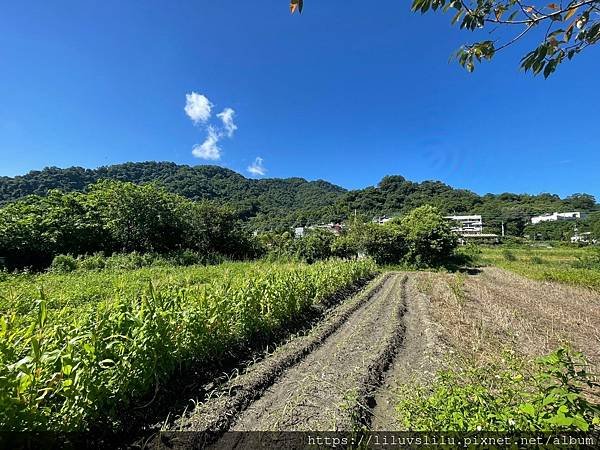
322	392
419	357
324	380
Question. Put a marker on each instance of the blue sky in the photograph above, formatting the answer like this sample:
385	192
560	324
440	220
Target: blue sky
347	92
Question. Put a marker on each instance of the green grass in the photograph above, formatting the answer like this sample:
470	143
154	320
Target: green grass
76	349
570	265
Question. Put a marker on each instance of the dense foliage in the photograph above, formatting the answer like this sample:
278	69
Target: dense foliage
116	216
268	201
277	204
422	238
506	397
78	351
428	235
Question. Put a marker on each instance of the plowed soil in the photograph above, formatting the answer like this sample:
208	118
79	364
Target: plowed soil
343	374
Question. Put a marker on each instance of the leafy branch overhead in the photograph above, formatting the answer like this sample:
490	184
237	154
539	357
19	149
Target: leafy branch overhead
296	5
566	28
563	29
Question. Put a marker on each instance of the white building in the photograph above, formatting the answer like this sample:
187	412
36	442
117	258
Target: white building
334	228
555	217
583	238
382	220
466	225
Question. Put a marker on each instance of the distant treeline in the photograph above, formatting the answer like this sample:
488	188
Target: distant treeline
113	217
277	204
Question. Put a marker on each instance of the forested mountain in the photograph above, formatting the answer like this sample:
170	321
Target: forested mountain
272	203
263	199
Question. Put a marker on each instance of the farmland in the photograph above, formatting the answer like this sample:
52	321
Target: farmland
571	265
76	348
95	343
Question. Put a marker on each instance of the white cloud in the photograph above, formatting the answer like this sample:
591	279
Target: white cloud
227	118
198	107
209	149
257	168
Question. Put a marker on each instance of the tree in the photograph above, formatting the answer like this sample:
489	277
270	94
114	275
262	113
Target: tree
594	224
384	243
581	202
35	229
565	29
430	241
138	218
314	246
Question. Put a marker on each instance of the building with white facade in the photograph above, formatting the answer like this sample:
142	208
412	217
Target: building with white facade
382	220
465	225
555	217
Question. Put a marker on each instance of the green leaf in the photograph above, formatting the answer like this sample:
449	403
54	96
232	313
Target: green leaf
528	409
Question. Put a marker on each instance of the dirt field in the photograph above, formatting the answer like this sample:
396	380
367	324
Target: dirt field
403	327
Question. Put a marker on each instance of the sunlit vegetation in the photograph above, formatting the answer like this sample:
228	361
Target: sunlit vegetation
572	265
77	348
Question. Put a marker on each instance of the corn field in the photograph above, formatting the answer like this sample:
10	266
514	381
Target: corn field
79	348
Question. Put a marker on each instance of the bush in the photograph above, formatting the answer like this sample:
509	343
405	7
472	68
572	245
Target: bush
315	246
536	260
469	255
505	398
97	261
63	264
430	240
345	246
508	255
384	243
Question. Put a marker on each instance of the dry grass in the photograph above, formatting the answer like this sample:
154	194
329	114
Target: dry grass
496	310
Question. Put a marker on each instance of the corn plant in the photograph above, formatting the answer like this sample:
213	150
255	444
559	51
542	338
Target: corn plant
83	353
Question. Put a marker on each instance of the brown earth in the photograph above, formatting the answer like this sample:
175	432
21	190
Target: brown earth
497	310
346	372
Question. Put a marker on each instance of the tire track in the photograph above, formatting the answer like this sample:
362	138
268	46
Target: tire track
212	418
331	386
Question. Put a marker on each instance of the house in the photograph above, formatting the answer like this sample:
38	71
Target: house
470	229
334	228
582	238
381	220
555	217
466	225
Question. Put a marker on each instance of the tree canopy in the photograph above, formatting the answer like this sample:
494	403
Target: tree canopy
278	204
562	30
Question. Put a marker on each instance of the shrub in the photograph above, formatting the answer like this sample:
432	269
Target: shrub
430	240
384	243
315	246
97	261
508	255
536	260
505	397
63	264
345	246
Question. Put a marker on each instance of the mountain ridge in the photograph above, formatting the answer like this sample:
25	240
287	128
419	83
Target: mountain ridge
283	202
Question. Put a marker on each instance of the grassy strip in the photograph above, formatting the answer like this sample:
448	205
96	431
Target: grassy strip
509	395
63	368
574	266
